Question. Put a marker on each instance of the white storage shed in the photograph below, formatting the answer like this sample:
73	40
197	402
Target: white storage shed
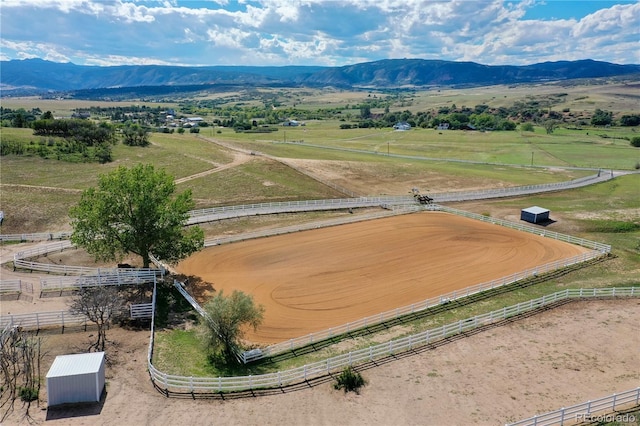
535	214
76	378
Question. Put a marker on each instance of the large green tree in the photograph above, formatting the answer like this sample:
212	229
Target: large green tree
135	211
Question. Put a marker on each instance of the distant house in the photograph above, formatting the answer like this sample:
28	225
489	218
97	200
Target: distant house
443	126
402	125
82	115
195	120
291	123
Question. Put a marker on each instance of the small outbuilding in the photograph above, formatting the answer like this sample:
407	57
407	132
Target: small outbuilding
76	378
535	214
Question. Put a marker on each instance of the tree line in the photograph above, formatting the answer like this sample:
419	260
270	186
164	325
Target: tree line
73	140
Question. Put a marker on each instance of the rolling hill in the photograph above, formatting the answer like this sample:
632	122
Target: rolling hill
37	75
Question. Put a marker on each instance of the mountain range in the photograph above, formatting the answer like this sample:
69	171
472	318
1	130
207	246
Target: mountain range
37	75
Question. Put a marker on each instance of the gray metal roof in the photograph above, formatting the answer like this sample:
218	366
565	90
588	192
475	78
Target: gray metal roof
74	365
535	210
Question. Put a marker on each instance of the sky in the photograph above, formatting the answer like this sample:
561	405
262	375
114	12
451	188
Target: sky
318	32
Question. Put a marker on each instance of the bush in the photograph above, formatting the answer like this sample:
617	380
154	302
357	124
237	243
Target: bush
635	141
28	394
526	127
349	380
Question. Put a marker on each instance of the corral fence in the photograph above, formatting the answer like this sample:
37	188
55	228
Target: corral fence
43	236
20	262
298	342
227	212
392	211
15	287
598	250
141	310
603	248
41	320
182	384
117	277
590	411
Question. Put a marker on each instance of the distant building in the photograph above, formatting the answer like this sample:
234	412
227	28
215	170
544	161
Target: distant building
535	214
443	126
291	123
403	125
82	115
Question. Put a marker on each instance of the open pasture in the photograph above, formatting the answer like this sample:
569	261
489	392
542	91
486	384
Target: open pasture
314	280
593	148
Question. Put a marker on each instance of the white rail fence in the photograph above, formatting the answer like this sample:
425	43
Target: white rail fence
585	412
15	286
19	262
398	210
141	310
393	314
218	213
181	384
40	320
43	236
603	248
116	277
226	212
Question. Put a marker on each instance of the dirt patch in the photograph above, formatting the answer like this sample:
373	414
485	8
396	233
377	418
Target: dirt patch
314	280
565	356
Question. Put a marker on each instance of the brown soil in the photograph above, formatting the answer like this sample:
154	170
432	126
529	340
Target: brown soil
311	281
561	357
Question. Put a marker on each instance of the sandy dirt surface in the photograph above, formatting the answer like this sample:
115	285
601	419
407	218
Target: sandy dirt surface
560	357
313	280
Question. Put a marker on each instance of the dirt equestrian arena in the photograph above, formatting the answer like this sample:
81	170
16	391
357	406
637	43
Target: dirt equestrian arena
313	280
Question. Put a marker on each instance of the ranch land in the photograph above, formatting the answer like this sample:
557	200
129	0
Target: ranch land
556	357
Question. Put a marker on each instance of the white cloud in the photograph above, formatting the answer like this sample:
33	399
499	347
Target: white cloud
616	18
313	31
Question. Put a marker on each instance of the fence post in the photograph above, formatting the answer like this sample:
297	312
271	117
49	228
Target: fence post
279	379
561	416
305	370
613	407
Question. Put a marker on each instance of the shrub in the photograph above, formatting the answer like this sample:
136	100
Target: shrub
28	394
349	380
526	127
635	141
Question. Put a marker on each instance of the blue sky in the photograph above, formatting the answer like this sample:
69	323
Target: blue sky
318	32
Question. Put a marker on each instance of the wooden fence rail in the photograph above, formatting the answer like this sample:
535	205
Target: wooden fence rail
182	384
